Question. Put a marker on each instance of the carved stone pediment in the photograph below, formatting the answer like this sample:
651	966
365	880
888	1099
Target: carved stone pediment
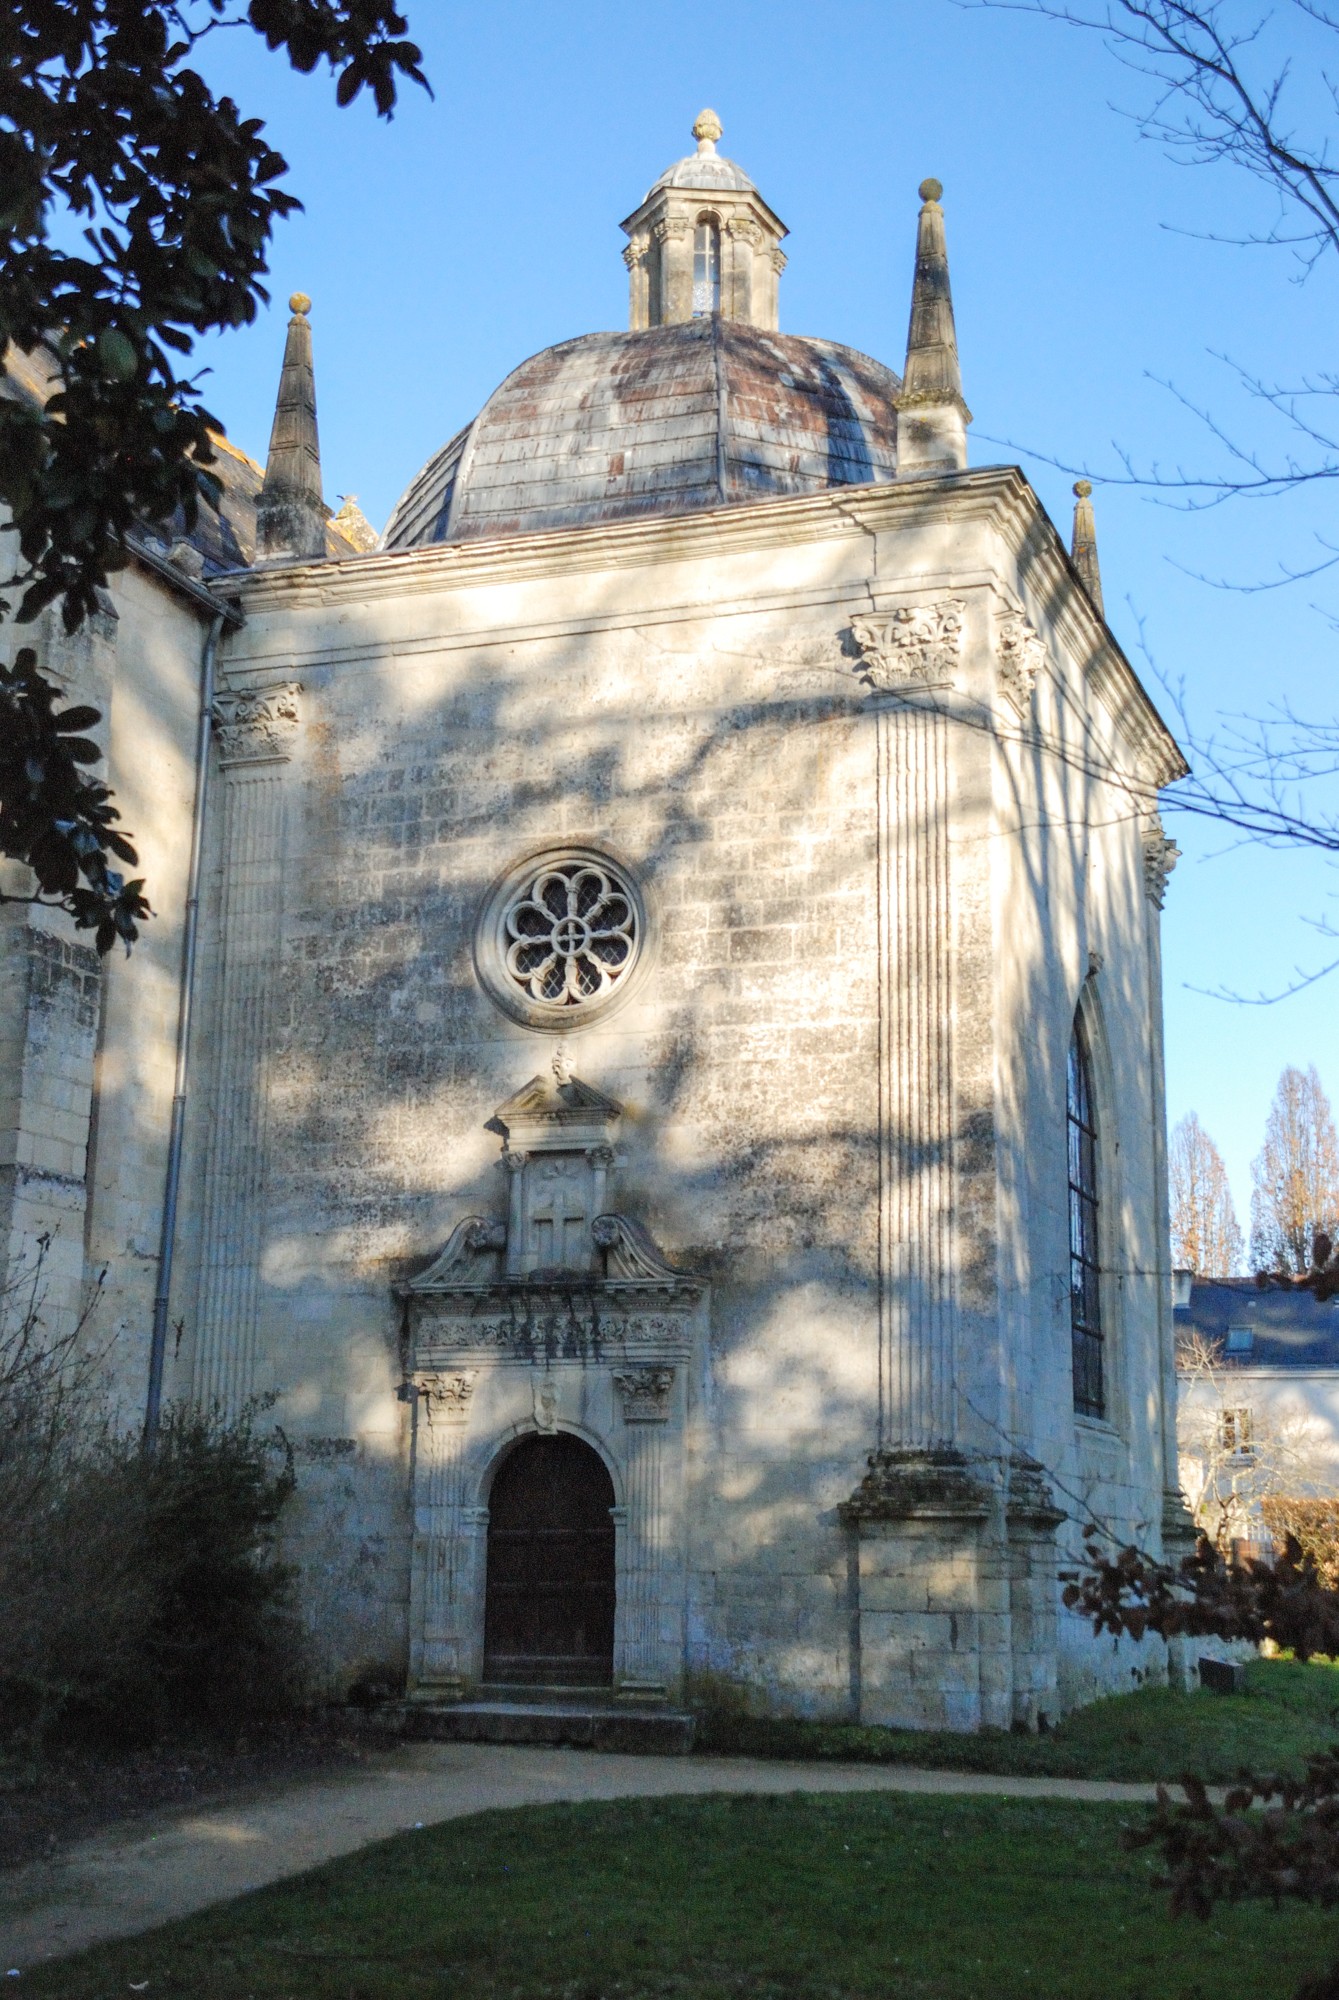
564	1277
630	1253
470	1257
627	1263
557	1111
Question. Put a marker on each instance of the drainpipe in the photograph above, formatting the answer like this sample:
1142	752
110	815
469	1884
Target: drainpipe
172	1177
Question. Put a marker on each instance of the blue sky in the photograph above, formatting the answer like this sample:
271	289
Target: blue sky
442	249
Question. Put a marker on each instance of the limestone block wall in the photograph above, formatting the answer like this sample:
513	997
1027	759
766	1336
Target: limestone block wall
1090	864
842	1080
86	1045
151	758
49	1011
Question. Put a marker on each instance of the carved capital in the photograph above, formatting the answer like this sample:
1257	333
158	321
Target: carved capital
257	726
745	230
446	1398
779	261
670	228
646	1394
636	249
514	1160
1021	653
1161	855
917	642
600	1157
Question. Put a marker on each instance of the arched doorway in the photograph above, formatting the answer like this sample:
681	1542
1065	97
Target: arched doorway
549	1616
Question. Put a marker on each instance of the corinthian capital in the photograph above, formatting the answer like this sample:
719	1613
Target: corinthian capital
916	642
257	725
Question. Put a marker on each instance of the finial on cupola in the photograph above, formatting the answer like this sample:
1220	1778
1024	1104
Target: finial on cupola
932	416
1083	548
290	512
707	129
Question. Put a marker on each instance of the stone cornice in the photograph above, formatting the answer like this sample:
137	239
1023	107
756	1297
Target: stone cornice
997	496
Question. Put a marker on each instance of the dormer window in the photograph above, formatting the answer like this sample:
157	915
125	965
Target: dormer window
706	267
1240	1339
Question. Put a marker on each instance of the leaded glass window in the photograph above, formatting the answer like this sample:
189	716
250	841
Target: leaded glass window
706	269
1085	1288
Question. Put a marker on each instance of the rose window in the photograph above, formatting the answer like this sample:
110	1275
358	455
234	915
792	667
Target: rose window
570	932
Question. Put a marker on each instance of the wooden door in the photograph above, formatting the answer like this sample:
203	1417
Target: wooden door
550	1597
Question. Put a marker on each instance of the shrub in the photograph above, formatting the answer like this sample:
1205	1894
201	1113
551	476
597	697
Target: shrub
221	1638
141	1592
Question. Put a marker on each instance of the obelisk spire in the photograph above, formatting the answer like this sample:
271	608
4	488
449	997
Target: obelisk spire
290	513
932	416
1083	549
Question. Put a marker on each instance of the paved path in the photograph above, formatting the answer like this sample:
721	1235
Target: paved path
151	1869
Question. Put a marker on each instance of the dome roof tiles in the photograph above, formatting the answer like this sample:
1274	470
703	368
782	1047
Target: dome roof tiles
614	426
710	171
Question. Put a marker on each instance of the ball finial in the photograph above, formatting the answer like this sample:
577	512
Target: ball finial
706	130
931	190
1082	488
300	303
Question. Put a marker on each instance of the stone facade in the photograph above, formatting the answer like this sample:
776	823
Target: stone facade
637	972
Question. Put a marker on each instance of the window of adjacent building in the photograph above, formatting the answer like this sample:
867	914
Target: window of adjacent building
1235	1433
1085	1292
1240	1339
706	268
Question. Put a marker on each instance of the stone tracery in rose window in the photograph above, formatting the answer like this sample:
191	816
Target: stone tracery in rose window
570	933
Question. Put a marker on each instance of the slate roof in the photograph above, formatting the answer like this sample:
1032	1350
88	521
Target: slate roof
704	170
225	538
1288	1329
614	426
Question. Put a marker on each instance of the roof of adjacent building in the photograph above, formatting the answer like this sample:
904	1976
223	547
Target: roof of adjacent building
707	413
1288	1329
224	536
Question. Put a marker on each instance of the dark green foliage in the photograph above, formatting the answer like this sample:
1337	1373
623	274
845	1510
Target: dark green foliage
56	818
143	1594
889	1897
104	118
220	1643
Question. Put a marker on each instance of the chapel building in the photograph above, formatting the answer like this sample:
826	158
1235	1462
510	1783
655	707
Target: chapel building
650	1047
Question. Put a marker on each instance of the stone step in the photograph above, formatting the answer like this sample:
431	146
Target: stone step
588	1725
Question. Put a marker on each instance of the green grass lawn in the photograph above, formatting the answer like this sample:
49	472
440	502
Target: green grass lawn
1289	1709
724	1899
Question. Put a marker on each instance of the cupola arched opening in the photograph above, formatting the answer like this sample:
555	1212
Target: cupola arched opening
706	267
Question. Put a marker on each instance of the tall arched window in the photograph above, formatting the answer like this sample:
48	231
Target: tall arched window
706	268
1085	1291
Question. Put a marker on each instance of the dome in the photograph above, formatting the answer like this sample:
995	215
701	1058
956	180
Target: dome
709	412
702	170
705	168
